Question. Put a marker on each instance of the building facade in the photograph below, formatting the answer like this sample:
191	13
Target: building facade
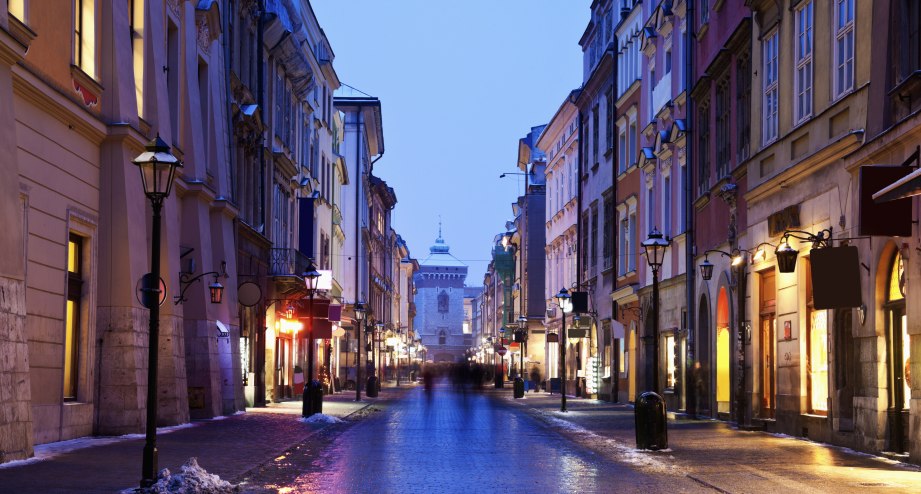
440	295
559	142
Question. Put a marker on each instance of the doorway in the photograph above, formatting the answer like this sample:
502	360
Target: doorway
723	344
898	353
767	338
702	386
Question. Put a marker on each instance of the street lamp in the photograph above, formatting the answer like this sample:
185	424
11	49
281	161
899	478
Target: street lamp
158	169
565	303
360	312
655	247
313	394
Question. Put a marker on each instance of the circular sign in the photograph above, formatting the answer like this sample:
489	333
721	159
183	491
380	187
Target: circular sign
145	296
249	294
501	351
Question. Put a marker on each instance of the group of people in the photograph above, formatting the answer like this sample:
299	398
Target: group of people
468	375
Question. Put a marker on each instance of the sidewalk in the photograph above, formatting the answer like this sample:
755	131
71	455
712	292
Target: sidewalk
716	455
226	446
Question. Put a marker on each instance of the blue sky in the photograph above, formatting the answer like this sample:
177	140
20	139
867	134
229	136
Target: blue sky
459	82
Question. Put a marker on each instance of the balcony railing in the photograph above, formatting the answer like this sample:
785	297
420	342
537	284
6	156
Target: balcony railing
287	262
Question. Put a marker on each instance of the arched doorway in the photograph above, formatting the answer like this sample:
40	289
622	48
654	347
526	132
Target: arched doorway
704	359
630	357
898	354
723	351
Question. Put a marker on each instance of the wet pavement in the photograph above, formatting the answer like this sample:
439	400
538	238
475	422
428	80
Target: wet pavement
718	457
454	441
407	441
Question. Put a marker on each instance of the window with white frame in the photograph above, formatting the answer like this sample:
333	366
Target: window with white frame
629	244
85	36
650	209
632	140
802	78
771	91
623	244
844	46
667	205
682	211
622	152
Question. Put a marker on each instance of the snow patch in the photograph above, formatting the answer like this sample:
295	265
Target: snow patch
320	418
647	460
193	480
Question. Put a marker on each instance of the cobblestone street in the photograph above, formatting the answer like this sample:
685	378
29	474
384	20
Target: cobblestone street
464	441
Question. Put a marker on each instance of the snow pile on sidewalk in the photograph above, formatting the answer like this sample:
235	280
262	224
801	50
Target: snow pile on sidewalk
193	480
320	418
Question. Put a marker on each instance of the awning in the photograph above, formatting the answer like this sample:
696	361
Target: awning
907	186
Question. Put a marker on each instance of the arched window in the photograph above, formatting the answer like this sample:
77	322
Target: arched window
443	302
899	353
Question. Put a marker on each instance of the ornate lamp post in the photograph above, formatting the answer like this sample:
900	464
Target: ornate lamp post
565	302
655	247
313	394
360	312
158	169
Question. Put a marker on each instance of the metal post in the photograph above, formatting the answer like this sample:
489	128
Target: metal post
149	467
307	405
740	390
655	330
359	330
563	362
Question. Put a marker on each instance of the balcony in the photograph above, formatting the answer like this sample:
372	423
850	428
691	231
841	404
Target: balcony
286	267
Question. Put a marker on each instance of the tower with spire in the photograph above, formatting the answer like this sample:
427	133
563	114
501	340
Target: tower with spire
439	301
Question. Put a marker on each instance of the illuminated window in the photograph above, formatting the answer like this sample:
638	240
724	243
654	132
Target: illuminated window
670	368
85	36
136	25
817	352
72	323
898	348
17	8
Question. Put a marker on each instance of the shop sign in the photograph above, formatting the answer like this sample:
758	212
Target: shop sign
785	219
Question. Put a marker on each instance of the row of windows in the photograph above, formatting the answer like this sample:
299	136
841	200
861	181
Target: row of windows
842	64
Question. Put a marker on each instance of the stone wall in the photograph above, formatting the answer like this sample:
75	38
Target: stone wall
15	392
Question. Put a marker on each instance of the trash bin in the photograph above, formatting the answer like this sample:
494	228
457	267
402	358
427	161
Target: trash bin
651	422
519	387
313	398
371	390
554	385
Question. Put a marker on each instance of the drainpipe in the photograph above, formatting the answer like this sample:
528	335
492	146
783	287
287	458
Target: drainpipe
615	385
260	101
579	241
690	271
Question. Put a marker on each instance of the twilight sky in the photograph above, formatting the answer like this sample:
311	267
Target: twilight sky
459	82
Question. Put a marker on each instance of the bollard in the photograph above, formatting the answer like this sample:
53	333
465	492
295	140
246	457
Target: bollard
519	387
651	422
371	390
